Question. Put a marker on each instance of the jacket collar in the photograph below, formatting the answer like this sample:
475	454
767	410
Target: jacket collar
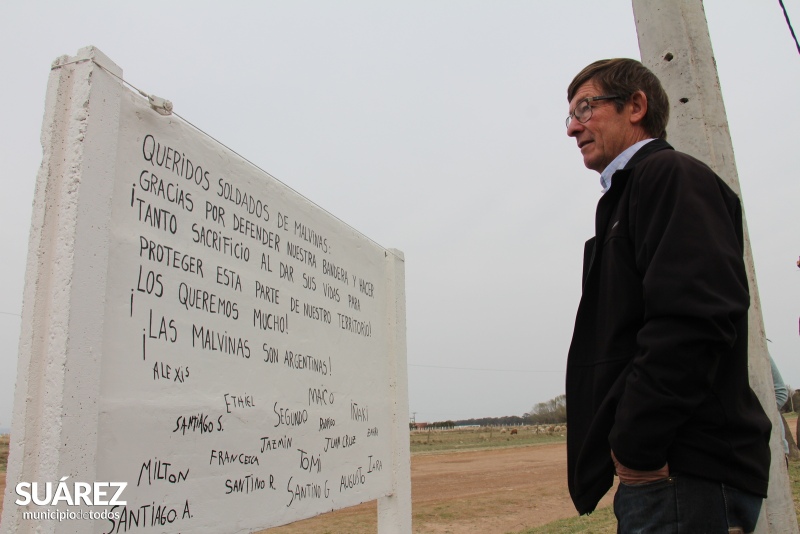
620	178
655	145
607	203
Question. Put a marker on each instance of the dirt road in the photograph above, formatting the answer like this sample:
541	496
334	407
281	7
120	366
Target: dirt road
480	492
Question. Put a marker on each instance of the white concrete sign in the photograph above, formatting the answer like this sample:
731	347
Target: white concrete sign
241	345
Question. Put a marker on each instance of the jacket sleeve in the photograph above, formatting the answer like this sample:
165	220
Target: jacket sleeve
687	237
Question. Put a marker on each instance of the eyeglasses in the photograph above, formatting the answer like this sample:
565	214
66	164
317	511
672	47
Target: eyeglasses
583	111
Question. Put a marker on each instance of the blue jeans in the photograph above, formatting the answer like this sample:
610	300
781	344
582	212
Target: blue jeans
684	504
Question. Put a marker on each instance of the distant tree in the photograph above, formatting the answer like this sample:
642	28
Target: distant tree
508	420
442	424
550	412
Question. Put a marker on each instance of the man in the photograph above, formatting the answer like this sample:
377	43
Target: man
657	378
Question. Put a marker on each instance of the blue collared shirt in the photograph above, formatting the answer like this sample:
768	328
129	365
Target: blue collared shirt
619	162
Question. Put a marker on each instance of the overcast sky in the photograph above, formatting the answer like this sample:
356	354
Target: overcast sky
434	127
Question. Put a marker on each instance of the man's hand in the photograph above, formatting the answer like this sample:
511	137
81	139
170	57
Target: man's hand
633	477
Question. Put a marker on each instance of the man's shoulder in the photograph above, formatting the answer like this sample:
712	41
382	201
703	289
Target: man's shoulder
667	162
657	158
673	170
661	153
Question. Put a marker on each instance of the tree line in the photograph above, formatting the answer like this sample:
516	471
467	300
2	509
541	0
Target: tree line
551	412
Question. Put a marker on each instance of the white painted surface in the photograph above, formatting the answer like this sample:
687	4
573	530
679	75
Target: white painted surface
675	44
273	398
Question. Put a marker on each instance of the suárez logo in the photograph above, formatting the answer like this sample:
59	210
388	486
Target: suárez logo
90	494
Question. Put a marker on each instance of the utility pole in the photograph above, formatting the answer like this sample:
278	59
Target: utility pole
675	44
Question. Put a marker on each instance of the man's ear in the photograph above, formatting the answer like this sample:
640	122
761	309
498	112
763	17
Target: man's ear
638	103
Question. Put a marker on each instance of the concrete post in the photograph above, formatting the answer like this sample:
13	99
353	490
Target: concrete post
675	44
394	511
54	431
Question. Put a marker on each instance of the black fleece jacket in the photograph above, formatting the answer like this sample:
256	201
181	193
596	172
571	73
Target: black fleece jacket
657	369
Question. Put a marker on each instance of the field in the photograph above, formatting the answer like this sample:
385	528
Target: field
473	480
3	453
477	481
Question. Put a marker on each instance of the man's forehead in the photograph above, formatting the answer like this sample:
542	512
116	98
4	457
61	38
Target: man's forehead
589	88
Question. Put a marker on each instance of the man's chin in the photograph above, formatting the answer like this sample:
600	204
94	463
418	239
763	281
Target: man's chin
592	165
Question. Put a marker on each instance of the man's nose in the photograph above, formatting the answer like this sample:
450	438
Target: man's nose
574	127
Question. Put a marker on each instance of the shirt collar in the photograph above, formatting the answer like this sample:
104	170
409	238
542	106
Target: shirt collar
619	162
